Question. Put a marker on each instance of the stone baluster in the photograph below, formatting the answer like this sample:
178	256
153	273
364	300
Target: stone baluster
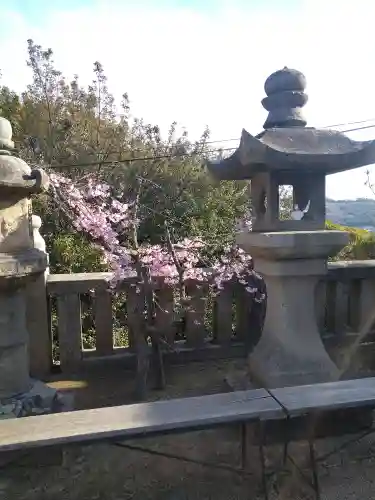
38	320
39	243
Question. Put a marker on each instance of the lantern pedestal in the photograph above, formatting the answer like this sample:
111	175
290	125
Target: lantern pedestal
19	394
20	264
291	351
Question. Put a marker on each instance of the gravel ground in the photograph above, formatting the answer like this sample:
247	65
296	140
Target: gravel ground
105	472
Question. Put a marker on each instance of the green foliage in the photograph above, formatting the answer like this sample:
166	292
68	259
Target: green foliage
66	127
71	253
361	243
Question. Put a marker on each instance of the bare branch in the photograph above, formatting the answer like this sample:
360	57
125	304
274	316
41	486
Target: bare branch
180	269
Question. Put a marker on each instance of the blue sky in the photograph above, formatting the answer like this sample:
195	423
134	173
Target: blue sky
205	61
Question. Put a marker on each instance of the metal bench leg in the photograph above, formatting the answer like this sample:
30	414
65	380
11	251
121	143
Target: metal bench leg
285	453
287	440
314	469
244	452
263	460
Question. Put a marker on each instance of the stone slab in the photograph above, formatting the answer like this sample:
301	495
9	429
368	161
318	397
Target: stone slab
292	244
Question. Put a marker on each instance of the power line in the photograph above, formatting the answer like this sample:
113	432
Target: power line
237	139
182	155
359	128
196	143
142	158
349	123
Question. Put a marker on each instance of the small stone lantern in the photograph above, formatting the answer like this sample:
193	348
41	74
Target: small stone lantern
290	254
20	263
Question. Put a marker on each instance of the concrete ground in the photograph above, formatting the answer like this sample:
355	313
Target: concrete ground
105	472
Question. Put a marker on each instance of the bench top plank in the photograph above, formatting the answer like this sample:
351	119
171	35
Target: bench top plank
327	396
130	421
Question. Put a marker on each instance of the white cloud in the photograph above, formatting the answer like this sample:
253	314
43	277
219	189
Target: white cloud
203	67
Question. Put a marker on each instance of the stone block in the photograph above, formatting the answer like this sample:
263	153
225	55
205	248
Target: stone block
40	399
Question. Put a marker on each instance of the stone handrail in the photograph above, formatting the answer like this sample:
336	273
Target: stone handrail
214	327
76	294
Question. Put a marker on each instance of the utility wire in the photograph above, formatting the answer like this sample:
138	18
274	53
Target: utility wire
142	158
186	155
358	128
193	144
349	123
161	157
236	139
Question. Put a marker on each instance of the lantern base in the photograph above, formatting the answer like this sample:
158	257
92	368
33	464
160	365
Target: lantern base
40	399
291	350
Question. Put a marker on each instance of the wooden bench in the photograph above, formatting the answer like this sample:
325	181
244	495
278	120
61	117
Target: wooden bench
121	423
309	404
344	394
138	420
118	424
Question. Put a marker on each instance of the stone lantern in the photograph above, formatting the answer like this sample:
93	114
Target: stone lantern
20	263
291	254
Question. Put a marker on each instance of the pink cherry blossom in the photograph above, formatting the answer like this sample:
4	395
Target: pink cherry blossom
93	209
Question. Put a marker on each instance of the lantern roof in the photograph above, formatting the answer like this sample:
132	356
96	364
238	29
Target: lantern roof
287	144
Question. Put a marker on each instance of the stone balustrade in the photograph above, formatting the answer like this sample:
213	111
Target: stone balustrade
88	325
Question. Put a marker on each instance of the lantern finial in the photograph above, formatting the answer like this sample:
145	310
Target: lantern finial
285	99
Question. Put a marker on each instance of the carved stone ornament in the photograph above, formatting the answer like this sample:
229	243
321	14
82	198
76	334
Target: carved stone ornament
15	174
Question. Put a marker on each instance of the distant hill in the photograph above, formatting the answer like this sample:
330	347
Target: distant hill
354	213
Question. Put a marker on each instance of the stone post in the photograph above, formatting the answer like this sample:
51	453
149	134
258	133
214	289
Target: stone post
20	264
38	320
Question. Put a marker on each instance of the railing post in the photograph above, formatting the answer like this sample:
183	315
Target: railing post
195	329
366	300
37	315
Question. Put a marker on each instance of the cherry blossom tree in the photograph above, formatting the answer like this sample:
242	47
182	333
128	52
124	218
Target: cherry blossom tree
111	224
93	209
